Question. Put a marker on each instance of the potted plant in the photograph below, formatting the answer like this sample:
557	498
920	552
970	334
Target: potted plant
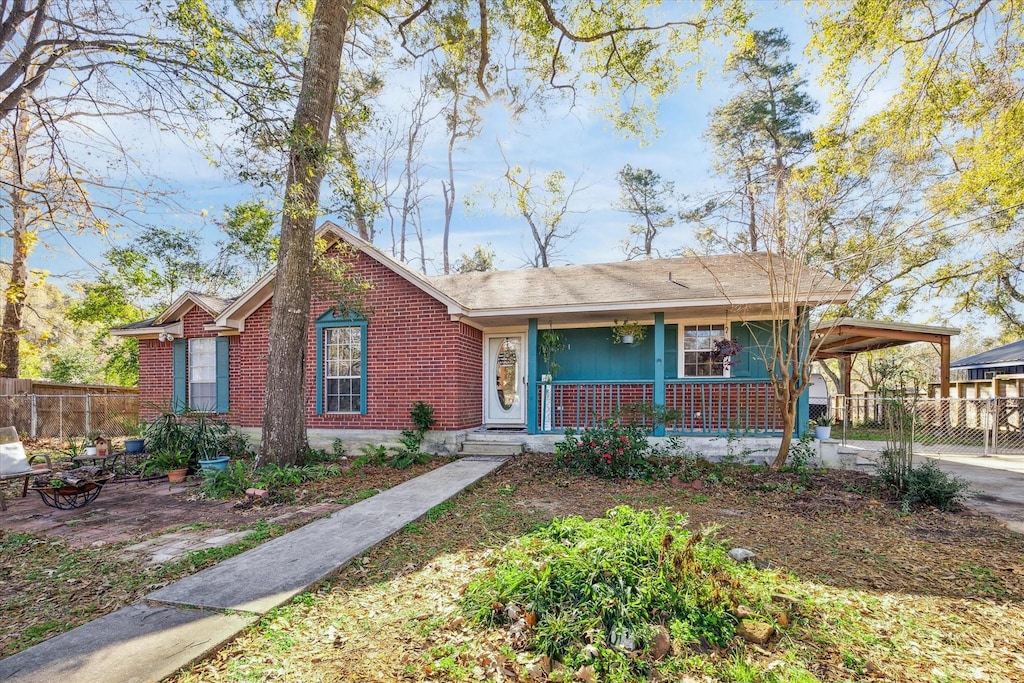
173	463
135	436
89	443
207	441
823	427
628	332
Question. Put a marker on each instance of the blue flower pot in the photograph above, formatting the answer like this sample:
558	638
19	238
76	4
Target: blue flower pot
134	445
220	463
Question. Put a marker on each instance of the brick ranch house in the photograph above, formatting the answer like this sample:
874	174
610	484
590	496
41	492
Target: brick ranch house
469	345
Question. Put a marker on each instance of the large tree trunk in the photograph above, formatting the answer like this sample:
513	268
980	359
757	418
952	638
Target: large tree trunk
14	295
284	411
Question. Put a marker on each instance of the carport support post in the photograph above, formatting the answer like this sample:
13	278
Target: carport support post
659	369
944	383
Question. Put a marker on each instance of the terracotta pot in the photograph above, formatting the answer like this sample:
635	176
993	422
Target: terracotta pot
177	476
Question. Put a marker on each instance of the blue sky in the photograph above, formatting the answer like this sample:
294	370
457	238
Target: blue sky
578	142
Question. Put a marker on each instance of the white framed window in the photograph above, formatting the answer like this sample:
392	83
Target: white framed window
202	374
343	369
697	351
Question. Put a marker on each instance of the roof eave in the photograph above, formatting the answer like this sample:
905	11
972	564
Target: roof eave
813	299
174	329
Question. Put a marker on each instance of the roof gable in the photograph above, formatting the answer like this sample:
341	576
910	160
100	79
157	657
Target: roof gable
211	304
234	315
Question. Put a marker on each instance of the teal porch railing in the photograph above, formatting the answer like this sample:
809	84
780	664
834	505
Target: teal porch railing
703	407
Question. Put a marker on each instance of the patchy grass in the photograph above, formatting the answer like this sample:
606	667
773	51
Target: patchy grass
48	586
858	590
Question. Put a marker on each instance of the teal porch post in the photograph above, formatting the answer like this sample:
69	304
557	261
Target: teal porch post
531	379
659	367
803	404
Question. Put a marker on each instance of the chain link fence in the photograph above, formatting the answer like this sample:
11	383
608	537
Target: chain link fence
40	416
970	426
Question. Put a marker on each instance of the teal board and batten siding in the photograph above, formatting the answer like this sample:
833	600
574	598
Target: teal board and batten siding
596	375
591	355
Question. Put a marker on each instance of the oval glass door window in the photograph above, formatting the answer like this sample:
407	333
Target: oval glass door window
506	374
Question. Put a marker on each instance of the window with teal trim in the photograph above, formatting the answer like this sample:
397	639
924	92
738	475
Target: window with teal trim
343	369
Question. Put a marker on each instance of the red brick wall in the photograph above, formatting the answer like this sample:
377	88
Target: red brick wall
415	352
155	379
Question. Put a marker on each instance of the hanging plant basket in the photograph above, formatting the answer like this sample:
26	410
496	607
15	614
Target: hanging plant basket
628	332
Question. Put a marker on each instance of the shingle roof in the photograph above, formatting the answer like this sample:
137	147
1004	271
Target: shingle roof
148	322
687	280
1010	354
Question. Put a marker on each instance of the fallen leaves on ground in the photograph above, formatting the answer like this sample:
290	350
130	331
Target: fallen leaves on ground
873	595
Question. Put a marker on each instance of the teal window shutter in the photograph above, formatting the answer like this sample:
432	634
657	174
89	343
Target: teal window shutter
179	390
223	375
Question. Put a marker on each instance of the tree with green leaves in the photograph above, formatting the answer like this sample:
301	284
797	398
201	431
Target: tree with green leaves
647	197
952	110
761	133
614	49
841	211
480	261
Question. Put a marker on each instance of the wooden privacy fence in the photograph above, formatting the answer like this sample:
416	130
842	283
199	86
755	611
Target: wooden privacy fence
63	415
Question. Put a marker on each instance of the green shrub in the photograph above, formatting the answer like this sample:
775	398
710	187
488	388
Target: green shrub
924	485
231	481
234	480
609	450
274	476
599	590
929	485
409	452
372	454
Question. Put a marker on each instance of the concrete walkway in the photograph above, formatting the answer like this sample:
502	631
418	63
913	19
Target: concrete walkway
186	621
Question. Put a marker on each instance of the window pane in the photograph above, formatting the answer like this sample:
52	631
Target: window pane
342	370
698	351
202	374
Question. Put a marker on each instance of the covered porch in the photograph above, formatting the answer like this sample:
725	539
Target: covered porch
653	382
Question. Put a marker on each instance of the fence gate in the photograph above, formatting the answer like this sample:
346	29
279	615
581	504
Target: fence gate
969	426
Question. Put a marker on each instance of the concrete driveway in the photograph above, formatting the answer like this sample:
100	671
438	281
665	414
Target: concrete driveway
998	480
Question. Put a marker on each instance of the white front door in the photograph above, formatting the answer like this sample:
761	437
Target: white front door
505	375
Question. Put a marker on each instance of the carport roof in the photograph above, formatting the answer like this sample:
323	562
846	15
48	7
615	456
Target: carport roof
845	337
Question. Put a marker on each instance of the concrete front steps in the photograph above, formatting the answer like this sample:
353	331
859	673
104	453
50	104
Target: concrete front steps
491	444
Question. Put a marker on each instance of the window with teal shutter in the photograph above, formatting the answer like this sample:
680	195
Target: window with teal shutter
181	396
340	364
223	375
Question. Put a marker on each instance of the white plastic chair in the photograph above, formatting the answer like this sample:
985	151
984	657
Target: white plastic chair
14	463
